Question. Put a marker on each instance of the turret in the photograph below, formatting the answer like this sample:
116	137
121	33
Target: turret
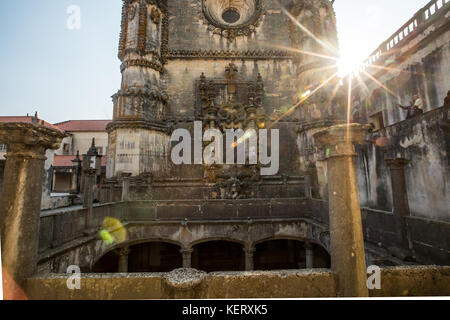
137	135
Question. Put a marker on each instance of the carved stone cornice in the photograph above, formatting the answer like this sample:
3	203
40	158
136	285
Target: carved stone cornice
231	54
340	140
137	124
142	63
28	139
142	92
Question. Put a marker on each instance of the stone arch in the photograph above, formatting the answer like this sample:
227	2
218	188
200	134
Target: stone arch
113	251
154	256
289	252
105	250
218	238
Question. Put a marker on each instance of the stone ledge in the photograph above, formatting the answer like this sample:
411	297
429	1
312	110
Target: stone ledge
316	283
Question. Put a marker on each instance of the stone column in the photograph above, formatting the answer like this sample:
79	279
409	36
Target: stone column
308	184
309	253
91	169
76	172
399	198
111	192
347	243
123	259
187	257
249	252
21	201
125	186
88	199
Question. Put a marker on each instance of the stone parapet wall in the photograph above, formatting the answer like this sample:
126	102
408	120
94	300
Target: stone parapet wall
430	239
423	141
192	284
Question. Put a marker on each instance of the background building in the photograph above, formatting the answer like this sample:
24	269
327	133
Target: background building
59	177
79	139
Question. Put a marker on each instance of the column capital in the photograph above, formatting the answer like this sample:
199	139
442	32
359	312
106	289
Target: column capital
308	246
340	140
249	249
186	250
29	139
124	251
397	163
125	176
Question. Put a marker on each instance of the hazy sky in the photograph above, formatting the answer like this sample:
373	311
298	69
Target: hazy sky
71	74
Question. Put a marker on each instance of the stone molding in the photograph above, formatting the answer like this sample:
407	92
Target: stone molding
28	139
340	140
229	54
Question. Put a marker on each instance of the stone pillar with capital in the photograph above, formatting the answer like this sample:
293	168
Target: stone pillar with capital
187	257
399	198
21	200
309	254
346	235
91	169
125	186
76	172
123	259
249	251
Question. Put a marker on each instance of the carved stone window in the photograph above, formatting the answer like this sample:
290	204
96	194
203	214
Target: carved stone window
232	18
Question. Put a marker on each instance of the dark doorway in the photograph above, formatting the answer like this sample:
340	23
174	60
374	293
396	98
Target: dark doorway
218	256
287	255
154	257
280	255
109	263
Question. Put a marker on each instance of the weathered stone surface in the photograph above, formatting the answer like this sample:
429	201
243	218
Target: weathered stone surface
395	282
347	244
21	200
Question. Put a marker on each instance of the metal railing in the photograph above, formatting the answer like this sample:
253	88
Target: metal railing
407	31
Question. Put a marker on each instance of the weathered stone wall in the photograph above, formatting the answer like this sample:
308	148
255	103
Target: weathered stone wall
137	151
424	141
419	63
2	171
287	284
190	284
165	49
81	141
428	239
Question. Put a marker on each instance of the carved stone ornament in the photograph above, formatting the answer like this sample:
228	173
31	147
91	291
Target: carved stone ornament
232	18
131	12
155	15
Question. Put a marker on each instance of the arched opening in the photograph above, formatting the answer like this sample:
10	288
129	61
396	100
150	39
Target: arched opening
288	254
109	263
218	256
280	255
154	257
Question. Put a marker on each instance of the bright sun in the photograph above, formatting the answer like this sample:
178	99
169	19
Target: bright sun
346	65
350	60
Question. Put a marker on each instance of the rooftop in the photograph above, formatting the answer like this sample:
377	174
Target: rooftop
29	119
83	125
66	161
